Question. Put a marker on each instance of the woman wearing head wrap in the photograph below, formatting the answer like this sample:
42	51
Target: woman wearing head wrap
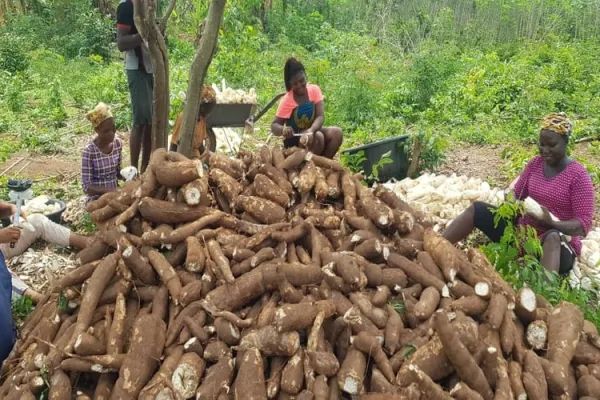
301	111
207	102
559	184
101	158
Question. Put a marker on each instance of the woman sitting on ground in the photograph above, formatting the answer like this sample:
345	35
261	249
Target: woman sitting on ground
101	158
23	239
560	185
207	102
301	112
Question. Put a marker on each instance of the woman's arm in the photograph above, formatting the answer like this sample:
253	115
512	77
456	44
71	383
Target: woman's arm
572	227
6	209
319	117
277	126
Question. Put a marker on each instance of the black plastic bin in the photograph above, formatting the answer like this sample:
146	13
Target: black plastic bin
373	151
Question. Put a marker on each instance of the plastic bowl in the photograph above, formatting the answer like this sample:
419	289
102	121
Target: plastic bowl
56	216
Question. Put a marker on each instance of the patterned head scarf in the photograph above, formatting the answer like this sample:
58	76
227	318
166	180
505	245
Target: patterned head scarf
558	123
99	114
208	94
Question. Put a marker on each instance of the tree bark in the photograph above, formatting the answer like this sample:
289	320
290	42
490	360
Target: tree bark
200	64
150	30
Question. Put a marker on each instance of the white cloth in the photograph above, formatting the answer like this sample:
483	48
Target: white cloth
44	229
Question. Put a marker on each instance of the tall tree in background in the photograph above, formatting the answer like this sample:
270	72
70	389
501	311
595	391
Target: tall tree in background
200	64
152	31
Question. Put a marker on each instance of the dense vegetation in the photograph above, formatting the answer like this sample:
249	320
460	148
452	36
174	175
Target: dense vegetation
451	69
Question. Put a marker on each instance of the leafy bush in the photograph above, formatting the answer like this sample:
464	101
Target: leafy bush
516	257
13	57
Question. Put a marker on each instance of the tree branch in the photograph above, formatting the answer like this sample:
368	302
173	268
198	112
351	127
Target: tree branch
200	65
165	18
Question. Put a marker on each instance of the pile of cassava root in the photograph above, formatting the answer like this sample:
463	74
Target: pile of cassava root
279	275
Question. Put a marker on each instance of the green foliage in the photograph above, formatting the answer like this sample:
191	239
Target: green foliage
21	308
385	159
354	162
70	28
13	56
433	149
516	258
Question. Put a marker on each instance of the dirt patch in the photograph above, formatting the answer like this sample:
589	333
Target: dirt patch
484	163
60	166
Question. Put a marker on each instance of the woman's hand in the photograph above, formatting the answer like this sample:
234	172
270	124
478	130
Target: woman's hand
288	132
10	234
545	221
307	138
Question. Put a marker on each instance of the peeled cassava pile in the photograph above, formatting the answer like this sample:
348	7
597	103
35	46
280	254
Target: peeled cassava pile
444	197
278	275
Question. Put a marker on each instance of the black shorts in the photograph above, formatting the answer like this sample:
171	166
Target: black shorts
483	220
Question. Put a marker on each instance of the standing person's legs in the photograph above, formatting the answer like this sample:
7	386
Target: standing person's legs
140	89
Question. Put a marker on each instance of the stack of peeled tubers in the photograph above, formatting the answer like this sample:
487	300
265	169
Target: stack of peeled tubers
278	275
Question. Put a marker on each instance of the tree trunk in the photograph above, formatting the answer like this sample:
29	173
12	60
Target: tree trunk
150	30
200	64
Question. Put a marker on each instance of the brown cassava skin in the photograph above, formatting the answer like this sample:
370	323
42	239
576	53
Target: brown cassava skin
233	167
277	176
270	342
415	272
222	262
292	317
352	371
163	376
176	174
96	284
379	384
427	262
264	211
586	353
137	264
564	328
176	325
186	376
533	366
228	186
588	385
104	386
292	161
461	391
427	303
149	333
115	340
392	330
195	259
496	309
226	331
369	345
267	189
307	177
377	211
381	296
429	388
60	386
431	358
166	273
471	305
515	374
165	212
250	381
461	358
88	345
92	253
217	380
292	375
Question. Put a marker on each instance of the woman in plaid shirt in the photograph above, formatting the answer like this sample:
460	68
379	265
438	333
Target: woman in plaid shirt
101	158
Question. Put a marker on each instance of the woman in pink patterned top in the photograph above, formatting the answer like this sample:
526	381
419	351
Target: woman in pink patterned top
101	158
560	185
